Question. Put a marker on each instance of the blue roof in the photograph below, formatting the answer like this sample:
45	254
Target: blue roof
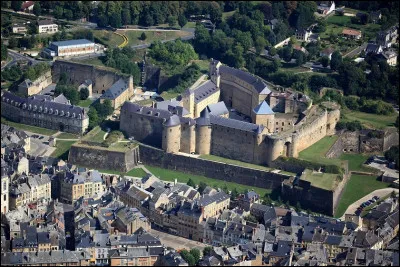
263	109
72	42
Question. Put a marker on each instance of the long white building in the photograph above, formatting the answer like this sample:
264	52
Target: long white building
70	48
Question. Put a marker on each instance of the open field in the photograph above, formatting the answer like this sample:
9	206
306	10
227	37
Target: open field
169	175
357	187
316	152
326	181
29	128
370	120
151	36
108	37
203	64
227	15
337	23
67	136
95	135
62	149
356	162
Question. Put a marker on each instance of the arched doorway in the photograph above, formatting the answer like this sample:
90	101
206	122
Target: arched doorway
61	126
286	149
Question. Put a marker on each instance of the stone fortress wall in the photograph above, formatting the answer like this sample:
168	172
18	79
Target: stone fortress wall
102	79
234	139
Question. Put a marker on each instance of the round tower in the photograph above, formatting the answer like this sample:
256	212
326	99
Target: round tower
203	133
171	139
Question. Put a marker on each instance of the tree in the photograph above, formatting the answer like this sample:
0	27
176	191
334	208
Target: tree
287	53
336	60
397	122
115	20
143	36
126	16
207	251
16	5
108	109
37	9
188	257
58	12
272	51
251	218
202	186
12	42
191	183
93	117
196	254
68	14
30	74
215	12
300	57
84	93
171	21
260	44
234	194
325	61
182	20
102	21
4	52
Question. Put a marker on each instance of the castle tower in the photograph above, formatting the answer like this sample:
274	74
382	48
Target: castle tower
171	139
259	156
203	133
263	114
188	137
214	72
188	102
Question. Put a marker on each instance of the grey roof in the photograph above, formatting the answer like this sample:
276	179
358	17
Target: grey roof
204	118
372	48
218	109
72	42
258	84
148	111
263	109
46	22
61	99
116	89
333	240
235	124
218	197
172	106
26	83
205	90
172	121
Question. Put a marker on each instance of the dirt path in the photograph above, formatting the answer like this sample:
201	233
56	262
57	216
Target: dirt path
380	193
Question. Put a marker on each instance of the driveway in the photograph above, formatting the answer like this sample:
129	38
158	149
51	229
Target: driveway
380	193
40	147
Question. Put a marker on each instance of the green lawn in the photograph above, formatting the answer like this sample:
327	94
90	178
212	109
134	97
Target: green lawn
29	128
95	135
190	24
108	37
203	64
85	103
368	31
62	149
356	162
137	172
326	181
369	120
316	152
357	187
170	175
67	136
151	36
227	15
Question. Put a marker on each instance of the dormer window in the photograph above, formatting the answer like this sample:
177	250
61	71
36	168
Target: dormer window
45	110
11	101
62	113
50	111
67	115
24	106
56	112
34	108
30	107
73	115
79	116
40	109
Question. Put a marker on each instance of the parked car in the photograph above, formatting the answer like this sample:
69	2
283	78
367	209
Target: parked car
373	200
35	136
376	197
358	212
41	137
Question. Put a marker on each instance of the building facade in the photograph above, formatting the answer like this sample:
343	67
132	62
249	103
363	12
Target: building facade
47	26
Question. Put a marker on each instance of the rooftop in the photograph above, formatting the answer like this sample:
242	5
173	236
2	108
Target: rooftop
72	42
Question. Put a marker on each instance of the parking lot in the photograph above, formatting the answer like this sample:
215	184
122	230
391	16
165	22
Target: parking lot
40	145
177	242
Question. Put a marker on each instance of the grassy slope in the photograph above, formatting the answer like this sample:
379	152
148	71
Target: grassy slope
67	136
323	180
108	37
170	175
316	152
62	149
357	187
356	162
85	103
370	120
133	36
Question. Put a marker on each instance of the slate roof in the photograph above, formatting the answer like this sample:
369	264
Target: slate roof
26	83
205	90
61	99
204	118
72	42
258	84
333	240
45	22
172	121
172	106
218	109
116	89
148	111
235	124
218	197
263	109
372	48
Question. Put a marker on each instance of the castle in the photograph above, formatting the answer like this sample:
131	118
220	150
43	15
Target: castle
283	123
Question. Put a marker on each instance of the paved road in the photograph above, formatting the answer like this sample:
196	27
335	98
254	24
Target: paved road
356	51
177	242
21	57
380	193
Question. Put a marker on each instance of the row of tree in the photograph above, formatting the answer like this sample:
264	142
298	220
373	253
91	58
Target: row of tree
121	59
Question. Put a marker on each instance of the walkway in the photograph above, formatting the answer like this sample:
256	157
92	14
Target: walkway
380	193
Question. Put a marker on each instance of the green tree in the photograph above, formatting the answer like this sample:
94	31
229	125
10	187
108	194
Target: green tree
4	52
287	53
397	122
272	51
191	183
260	44
300	57
126	16
182	20
171	21
325	61
108	109
207	251
93	117
16	5
188	257
58	12
215	12
115	20
12	42
234	194
30	74
202	186
143	36
37	9
336	60
84	93
68	14
196	254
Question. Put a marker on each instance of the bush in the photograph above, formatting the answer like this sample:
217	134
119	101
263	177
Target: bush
84	93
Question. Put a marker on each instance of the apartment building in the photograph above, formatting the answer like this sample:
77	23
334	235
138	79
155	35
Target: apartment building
47	26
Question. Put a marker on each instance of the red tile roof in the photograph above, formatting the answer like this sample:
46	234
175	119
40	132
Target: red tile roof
27	4
351	32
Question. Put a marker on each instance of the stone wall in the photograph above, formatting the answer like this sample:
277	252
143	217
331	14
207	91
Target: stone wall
77	73
102	158
391	138
216	170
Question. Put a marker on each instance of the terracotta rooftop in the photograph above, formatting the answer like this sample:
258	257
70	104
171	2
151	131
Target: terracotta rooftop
351	32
